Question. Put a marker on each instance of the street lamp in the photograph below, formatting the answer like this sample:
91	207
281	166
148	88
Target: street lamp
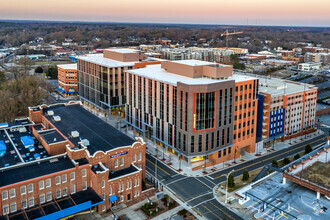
227	175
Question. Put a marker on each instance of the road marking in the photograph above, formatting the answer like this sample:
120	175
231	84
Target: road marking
158	167
221	210
270	158
281	215
270	209
210	211
199	196
184	177
203	202
204	184
176	175
210	181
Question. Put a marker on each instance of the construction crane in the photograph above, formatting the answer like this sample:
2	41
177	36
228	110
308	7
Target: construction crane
226	33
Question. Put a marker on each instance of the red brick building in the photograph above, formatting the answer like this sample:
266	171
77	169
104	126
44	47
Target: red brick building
86	164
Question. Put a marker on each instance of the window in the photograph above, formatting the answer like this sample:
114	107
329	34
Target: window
122	161
58	180
83	173
121	198
71	176
130	184
103	183
137	182
12	193
205	107
4	195
5	209
73	189
110	191
127	185
24	204
134	158
48	183
64	178
116	163
30	188
41	184
13	207
42	198
31	202
23	190
49	196
139	156
65	191
118	188
58	193
84	186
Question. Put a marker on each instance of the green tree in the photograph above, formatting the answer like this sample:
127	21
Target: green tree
286	161
231	181
274	163
308	149
246	175
39	70
52	72
2	77
234	58
296	157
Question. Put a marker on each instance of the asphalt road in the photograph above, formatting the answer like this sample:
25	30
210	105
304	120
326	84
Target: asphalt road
197	192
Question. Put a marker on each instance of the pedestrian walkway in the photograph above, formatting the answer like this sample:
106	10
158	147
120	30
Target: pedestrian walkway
167	215
185	168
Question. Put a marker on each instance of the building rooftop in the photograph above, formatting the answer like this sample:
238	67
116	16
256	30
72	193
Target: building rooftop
155	72
31	170
122	50
100	60
277	86
277	61
51	136
101	135
68	66
122	172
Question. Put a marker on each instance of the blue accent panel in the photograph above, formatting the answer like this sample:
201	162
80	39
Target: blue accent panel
260	113
113	198
69	211
27	141
276	123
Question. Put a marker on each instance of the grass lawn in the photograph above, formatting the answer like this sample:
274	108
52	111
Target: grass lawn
317	173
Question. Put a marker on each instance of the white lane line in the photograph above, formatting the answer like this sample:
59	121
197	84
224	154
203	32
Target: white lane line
210	181
199	196
184	177
203	202
204	184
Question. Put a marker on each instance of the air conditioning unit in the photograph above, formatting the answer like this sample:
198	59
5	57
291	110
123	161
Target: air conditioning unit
50	113
85	142
57	118
74	134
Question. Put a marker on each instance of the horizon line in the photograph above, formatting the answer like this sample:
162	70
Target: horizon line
158	23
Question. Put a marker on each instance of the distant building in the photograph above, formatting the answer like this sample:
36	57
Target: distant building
238	51
67	78
323	58
309	66
275	62
315	49
294	58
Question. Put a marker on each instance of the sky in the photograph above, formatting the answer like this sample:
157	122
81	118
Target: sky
233	12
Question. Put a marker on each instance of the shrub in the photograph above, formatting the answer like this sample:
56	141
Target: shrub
246	175
296	157
286	161
39	70
308	149
231	181
274	163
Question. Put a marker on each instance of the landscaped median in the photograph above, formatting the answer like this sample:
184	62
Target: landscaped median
152	209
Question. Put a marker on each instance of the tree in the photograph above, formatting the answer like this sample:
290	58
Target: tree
52	72
26	64
246	175
2	77
308	149
296	157
286	161
39	70
231	181
274	163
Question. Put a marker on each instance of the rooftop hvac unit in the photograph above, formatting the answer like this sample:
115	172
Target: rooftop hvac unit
85	142
22	129
75	134
51	113
57	118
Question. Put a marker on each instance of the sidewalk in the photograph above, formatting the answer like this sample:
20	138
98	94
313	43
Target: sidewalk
184	168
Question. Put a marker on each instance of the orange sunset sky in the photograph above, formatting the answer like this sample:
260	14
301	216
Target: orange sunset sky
239	12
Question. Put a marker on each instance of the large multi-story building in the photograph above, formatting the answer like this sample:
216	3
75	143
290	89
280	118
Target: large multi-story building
285	109
63	160
67	78
196	53
323	58
101	78
196	109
